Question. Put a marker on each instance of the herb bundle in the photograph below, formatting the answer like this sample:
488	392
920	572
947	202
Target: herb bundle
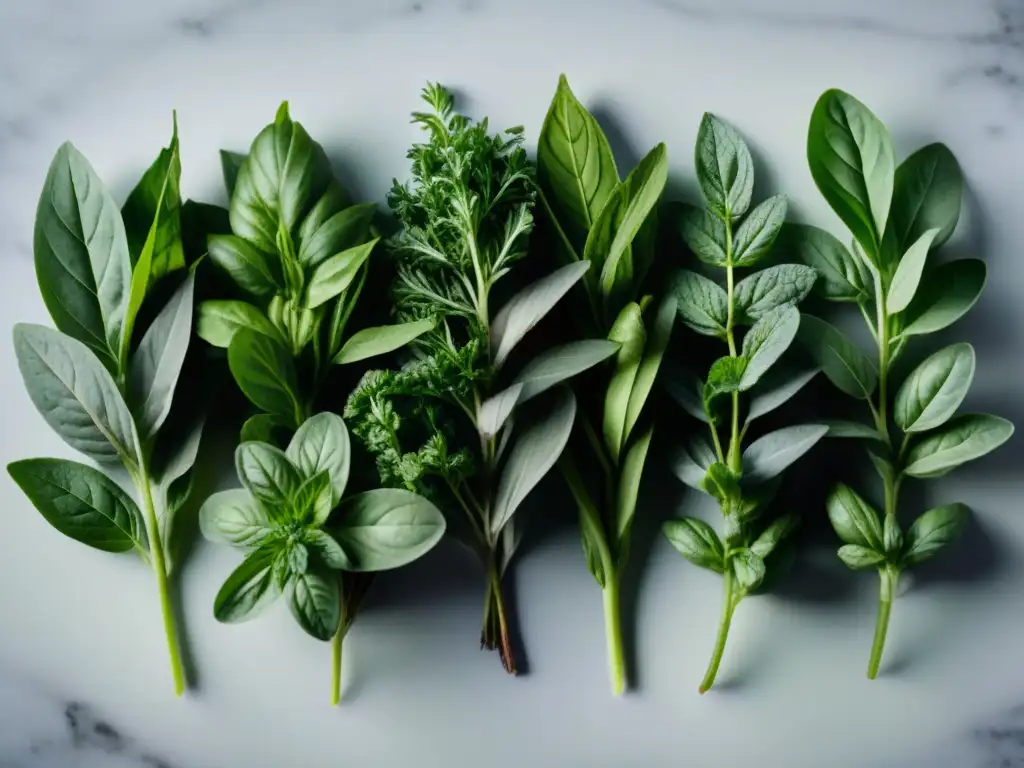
743	481
897	215
451	423
611	224
103	385
284	518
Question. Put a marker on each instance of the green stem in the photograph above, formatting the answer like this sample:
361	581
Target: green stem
336	644
886	593
728	606
613	633
495	635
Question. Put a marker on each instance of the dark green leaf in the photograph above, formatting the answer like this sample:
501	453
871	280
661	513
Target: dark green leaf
768	456
961	439
326	550
845	365
314	500
842	276
703	233
315	602
342	231
265	372
766	341
702	304
783	285
248	590
853	429
758	231
935	389
386	528
725	169
854	519
218	320
251	269
234	517
262	428
933	531
892	536
926	195
721	484
946	294
380	340
858	557
687	390
697	542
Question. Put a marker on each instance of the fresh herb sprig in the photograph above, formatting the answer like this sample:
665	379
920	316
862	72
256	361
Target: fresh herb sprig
745	384
302	535
103	383
299	254
450	424
897	216
612	224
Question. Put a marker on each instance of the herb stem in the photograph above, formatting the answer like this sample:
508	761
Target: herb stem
730	337
728	606
886	593
495	631
613	632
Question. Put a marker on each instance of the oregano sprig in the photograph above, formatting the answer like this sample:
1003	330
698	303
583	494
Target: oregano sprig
898	216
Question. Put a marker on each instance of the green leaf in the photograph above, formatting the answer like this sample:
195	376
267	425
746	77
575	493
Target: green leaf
261	428
265	372
322	444
74	393
687	390
775	388
946	294
381	340
531	457
842	277
333	276
320	239
768	456
156	364
961	439
248	590
784	285
81	503
646	374
852	162
230	164
703	233
697	542
494	411
724	377
250	269
528	307
845	365
235	518
324	548
702	304
218	320
315	601
758	231
853	429
749	570
629	483
725	169
854	519
386	528
721	484
691	464
858	557
770	537
628	331
892	536
314	500
927	195
933	531
267	472
935	389
81	255
765	342
908	273
557	364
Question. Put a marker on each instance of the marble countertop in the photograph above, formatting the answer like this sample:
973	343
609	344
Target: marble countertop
83	677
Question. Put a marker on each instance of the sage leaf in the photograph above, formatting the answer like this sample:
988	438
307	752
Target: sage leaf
557	364
531	457
251	269
845	365
628	331
703	233
495	410
629	483
647	372
235	518
702	304
697	542
691	464
842	277
381	340
908	273
927	195
321	444
770	537
315	601
321	238
776	388
265	372
933	531
74	393
768	456
783	285
82	503
946	294
853	518
935	389
766	341
853	429
961	439
267	472
748	568
386	528
859	557
687	390
248	590
334	275
757	233
725	170
217	321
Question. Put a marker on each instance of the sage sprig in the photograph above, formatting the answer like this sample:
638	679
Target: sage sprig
611	224
452	424
752	379
301	534
898	215
102	381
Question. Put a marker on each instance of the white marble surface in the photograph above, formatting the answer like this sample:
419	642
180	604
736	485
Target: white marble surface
84	680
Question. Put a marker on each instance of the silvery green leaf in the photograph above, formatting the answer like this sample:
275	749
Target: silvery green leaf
854	429
687	390
845	365
557	364
725	169
749	569
691	464
315	601
775	388
841	275
946	293
769	539
703	233
757	233
961	439
935	389
234	517
322	444
386	528
495	410
768	456
782	285
908	273
702	304
766	341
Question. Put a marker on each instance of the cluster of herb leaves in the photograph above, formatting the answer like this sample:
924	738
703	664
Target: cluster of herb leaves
103	386
298	253
451	424
744	481
301	533
611	224
897	216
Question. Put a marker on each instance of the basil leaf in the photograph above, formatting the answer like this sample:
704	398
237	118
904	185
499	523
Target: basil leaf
234	517
629	332
703	233
82	503
853	518
932	531
380	340
654	351
265	372
74	393
386	528
524	310
322	444
230	164
758	231
267	472
927	195
494	411
81	255
935	389
961	439
252	270
775	388
770	537
557	364
629	483
326	550
345	230
845	365
748	568
892	536
842	276
218	320
946	294
314	500
852	162
702	304
725	170
908	273
334	275
687	390
853	429
248	590
858	557
697	542
156	364
531	457
315	602
766	341
262	428
691	464
784	285
768	456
